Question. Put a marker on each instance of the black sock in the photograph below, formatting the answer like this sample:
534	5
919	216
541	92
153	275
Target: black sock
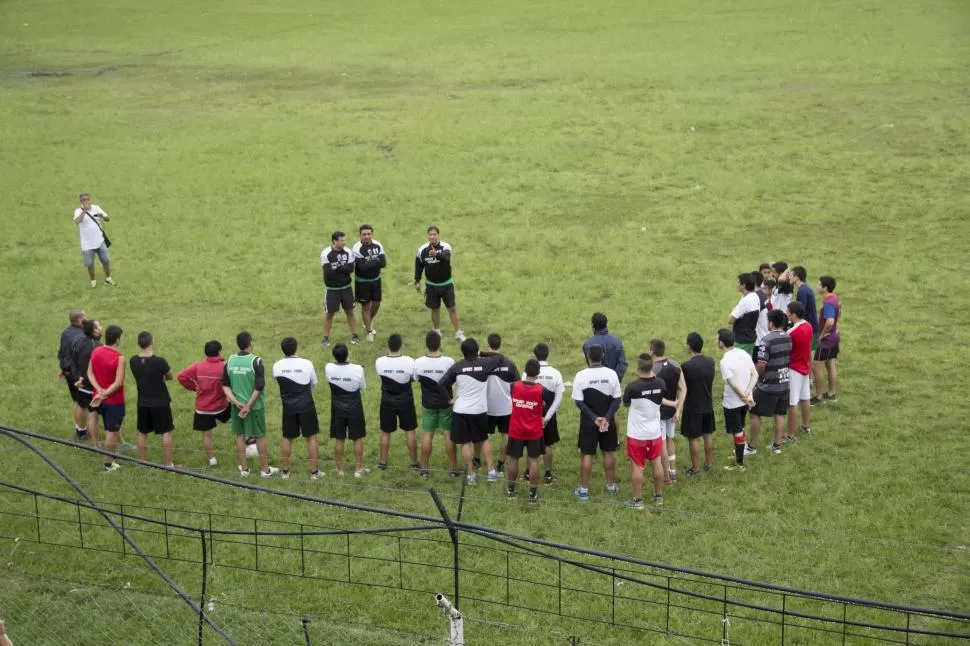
739	454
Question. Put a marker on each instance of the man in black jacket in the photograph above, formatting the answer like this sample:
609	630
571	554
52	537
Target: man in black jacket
70	338
434	261
338	268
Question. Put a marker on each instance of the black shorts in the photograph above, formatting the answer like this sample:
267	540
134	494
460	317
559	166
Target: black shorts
112	416
296	424
550	432
155	419
769	404
338	298
826	354
368	291
533	448
83	400
590	439
434	295
208	421
499	423
469	428
734	419
394	416
693	425
72	390
352	426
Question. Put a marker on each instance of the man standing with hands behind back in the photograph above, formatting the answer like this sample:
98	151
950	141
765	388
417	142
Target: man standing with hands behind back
88	218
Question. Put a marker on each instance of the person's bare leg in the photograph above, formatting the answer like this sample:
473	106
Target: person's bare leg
779	429
547	459
385	445
426	440
412	442
80	417
503	448
358	454
91	275
754	431
313	451
327	323
512	471
207	444
658	478
832	370
451	451
436	319
585	470
533	471
263	457
806	408
366	316
708	450
374	307
636	481
671	455
453	315
286	445
694	444
111	441
487	453
664	458
241	453
792	420
818	374
107	269
338	455
93	429
167	449
141	439
467	453
352	321
609	465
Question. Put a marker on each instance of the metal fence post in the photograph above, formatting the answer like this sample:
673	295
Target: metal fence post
205	576
453	532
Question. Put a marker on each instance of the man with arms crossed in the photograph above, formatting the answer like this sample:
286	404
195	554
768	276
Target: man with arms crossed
154	403
434	261
369	260
802	339
106	374
88	218
771	392
397	400
644	438
828	339
553	390
668	371
525	429
338	266
435	406
698	415
469	427
244	383
596	391
204	378
72	335
297	378
346	408
740	376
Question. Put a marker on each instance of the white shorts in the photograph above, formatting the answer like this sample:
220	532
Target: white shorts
799	388
667	428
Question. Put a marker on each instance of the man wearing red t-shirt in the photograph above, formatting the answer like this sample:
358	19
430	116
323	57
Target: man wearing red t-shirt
106	374
204	378
800	387
525	429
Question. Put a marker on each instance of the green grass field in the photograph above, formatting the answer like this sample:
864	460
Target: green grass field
619	156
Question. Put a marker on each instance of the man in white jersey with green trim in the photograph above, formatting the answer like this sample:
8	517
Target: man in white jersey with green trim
243	382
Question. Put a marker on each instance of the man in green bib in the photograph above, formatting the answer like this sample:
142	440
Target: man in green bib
244	381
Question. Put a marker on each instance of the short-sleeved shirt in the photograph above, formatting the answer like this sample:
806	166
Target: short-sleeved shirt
699	377
831	309
596	387
91	235
104	364
470	379
775	353
643	396
526	420
746	314
149	374
551	379
428	371
736	364
396	375
668	370
296	377
801	347
346	381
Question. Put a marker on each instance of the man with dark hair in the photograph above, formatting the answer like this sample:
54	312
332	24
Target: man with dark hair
88	217
740	376
154	403
338	266
771	392
783	290
106	374
297	378
346	408
805	296
744	316
828	339
498	395
244	383
469	427
204	378
78	375
397	400
525	429
675	389
369	260
596	391
698	413
766	271
800	392
70	338
553	390
434	261
644	438
436	410
614	356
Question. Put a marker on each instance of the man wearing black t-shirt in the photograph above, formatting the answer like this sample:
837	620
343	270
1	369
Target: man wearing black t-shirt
668	371
698	417
397	400
154	404
297	378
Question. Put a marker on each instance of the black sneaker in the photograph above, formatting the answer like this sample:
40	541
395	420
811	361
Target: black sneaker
549	477
355	339
415	467
814	401
533	498
382	466
454	473
477	462
326	342
510	493
500	467
691	473
805	430
424	474
81	434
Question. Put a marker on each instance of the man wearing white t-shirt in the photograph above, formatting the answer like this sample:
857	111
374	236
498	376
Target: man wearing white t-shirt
740	376
744	316
88	218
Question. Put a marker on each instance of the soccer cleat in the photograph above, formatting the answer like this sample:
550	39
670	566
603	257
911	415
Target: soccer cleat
748	450
804	430
472	479
582	494
361	472
382	466
460	336
734	467
94	283
108	280
213	462
269	472
354	339
110	466
776	448
492	475
316	475
658	500
372	336
285	474
613	488
634	503
325	342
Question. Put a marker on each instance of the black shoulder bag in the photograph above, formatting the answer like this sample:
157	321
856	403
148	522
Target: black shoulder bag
107	240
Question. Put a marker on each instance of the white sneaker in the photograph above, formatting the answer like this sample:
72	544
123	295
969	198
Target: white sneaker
613	488
316	475
360	473
213	462
109	280
492	475
285	475
112	466
460	336
372	336
749	451
339	472
94	283
269	473
243	473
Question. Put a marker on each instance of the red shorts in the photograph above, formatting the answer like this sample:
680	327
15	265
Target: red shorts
643	451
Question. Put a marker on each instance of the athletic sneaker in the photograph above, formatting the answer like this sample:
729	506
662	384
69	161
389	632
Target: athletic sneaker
776	448
424	474
339	472
830	398
454	473
213	462
110	466
708	467
326	342
788	439
354	339
814	401
673	475
127	446
492	475
582	494
285	475
658	499
613	488
372	336
94	283
243	473
476	462
805	430
460	336
382	466
634	503
734	467
534	497
549	477
691	473
360	473
415	467
472	479
510	493
748	450
316	475
109	281
269	473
